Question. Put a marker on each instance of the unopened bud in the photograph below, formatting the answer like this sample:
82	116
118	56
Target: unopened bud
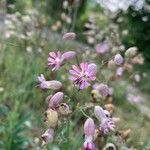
69	36
131	52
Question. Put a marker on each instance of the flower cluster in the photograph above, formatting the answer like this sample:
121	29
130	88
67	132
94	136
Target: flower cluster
82	75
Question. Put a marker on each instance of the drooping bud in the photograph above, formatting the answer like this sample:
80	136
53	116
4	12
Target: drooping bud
99	113
89	127
48	136
55	100
88	145
118	59
107	124
68	55
69	36
54	85
89	130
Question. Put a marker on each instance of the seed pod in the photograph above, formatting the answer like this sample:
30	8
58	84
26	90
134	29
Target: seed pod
109	146
109	107
64	109
51	118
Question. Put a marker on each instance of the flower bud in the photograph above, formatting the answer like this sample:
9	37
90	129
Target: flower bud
131	52
51	118
55	85
48	136
99	113
118	59
89	127
92	69
69	36
68	55
88	145
55	100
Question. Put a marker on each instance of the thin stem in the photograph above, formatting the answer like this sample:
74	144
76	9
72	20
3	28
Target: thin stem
84	113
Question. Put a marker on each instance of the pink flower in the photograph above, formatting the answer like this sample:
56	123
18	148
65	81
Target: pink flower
56	59
102	48
69	36
107	124
48	136
118	59
83	75
89	128
55	100
55	85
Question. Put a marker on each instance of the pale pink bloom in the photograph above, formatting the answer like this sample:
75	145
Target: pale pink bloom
81	76
55	100
89	128
48	136
118	59
103	89
119	71
107	124
53	84
69	36
56	59
102	48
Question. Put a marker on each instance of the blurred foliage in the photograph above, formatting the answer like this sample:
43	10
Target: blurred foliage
137	22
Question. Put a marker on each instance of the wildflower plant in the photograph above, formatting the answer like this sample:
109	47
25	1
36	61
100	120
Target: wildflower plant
94	72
